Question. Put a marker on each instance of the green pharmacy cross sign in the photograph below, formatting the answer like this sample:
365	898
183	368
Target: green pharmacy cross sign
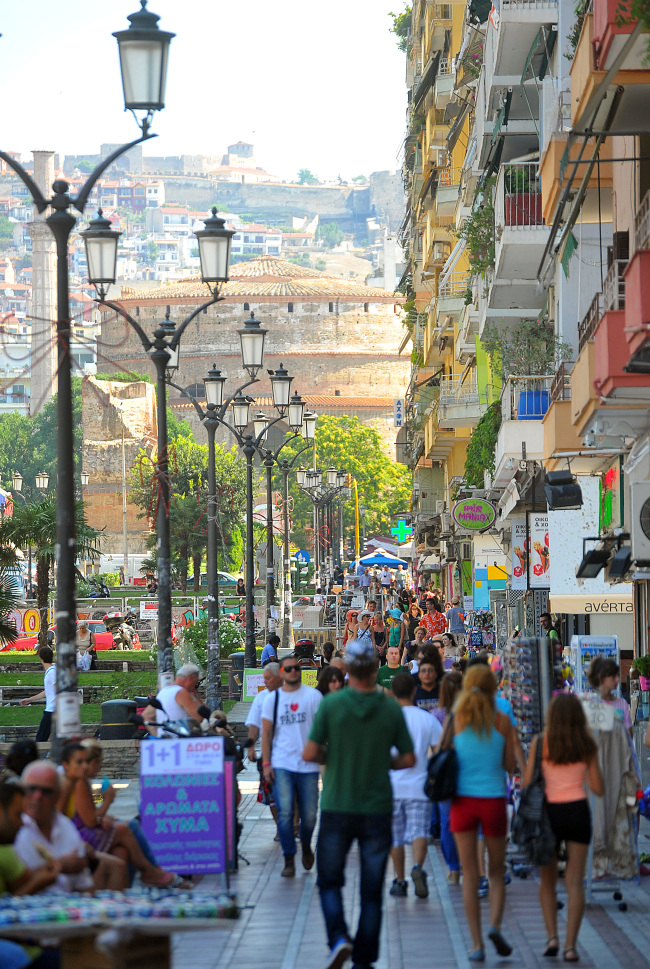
402	531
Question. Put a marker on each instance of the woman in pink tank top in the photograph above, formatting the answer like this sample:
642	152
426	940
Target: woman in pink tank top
569	759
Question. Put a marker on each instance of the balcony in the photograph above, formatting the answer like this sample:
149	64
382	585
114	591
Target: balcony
451	296
524	403
460	402
439	441
448	189
444	85
610	35
637	274
556	168
611	350
559	433
508	46
521	237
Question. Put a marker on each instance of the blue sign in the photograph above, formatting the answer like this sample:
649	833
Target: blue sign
183	803
303	556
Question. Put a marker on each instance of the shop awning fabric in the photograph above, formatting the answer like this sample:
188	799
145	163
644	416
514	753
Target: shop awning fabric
593	605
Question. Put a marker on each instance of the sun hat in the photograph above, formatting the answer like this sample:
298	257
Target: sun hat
364	612
395	613
455	601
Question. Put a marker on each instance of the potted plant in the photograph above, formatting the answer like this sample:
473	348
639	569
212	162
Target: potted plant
642	664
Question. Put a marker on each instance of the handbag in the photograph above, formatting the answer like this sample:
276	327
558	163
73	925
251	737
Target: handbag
531	828
442	770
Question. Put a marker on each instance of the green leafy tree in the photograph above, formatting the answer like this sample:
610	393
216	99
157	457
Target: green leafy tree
188	473
305	177
6	231
527	349
330	234
401	27
482	446
344	442
33	524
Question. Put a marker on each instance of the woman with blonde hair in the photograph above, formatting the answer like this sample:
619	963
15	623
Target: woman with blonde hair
569	760
484	743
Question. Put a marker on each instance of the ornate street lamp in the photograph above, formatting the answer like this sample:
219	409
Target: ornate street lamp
144	52
240	411
213	384
281	388
100	241
214	251
252	337
309	426
260	422
42	481
296	413
331	475
17	481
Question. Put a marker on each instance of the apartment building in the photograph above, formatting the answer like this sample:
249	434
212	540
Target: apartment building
529	322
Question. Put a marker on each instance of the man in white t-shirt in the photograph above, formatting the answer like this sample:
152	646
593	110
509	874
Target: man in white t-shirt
272	682
287	716
411	807
46	656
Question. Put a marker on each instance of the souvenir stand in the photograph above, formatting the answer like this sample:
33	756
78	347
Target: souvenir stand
526	682
613	851
480	631
113	930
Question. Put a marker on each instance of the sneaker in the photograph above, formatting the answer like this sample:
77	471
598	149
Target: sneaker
419	877
307	857
453	877
289	870
399	889
339	954
483	888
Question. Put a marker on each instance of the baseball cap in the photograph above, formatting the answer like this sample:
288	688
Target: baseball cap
359	649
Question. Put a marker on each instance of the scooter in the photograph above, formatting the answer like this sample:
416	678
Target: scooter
124	637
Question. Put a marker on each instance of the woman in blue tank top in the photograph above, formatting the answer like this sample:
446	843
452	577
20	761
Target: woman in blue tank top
484	743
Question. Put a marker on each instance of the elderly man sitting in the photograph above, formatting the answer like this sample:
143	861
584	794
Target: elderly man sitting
46	833
179	700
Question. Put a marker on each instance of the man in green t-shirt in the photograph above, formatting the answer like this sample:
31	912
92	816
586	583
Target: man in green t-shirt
357	800
387	673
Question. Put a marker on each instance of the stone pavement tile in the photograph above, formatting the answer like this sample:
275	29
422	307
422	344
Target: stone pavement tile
281	925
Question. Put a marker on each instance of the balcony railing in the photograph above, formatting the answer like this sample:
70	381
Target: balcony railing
519	196
561	386
591	319
447	177
614	286
455	285
452	391
642	225
444	67
526	398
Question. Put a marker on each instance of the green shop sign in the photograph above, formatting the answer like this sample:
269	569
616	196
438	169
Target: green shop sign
474	514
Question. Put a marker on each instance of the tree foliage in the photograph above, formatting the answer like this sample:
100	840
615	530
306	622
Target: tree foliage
330	234
527	349
28	444
188	473
482	446
479	233
401	27
306	177
344	442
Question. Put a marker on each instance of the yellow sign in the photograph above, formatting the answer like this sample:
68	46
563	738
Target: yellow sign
593	605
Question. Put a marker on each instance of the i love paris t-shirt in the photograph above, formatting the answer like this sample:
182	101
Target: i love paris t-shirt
292	725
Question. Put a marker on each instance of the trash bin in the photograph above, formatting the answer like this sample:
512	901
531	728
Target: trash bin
236	676
115	723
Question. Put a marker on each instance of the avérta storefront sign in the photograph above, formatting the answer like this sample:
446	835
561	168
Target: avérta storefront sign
474	514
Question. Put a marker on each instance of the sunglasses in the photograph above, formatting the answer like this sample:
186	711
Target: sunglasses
291	669
45	791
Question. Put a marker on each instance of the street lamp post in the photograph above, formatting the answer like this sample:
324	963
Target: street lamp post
143	50
308	426
322	488
214	248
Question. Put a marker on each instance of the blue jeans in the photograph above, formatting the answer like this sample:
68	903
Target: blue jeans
337	832
144	846
288	786
447	843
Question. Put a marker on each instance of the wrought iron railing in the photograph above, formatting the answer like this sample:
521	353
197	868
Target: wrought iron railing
591	319
561	386
642	224
455	285
614	286
526	398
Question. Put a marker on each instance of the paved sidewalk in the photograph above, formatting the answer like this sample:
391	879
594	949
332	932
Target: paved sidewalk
281	926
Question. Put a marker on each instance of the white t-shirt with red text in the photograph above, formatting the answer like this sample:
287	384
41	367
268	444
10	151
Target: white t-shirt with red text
293	722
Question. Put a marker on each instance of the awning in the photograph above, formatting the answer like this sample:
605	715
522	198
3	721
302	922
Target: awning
457	127
452	259
593	605
480	10
427	81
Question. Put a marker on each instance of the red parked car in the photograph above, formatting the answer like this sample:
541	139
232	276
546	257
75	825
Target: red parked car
103	638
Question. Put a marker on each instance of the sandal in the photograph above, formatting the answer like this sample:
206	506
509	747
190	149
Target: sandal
166	880
574	957
551	949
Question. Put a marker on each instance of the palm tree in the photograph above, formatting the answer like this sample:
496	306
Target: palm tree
34	524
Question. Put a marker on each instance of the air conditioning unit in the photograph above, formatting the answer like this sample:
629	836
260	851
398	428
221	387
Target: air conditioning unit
445	523
440	251
440	507
640	520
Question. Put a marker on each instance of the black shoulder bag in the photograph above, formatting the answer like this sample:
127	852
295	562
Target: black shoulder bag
442	769
531	828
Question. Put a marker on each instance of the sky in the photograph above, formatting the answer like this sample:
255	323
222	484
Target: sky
318	86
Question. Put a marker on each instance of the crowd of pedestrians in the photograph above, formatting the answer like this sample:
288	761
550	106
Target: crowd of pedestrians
401	690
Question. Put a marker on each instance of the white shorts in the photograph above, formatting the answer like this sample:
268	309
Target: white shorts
411	820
